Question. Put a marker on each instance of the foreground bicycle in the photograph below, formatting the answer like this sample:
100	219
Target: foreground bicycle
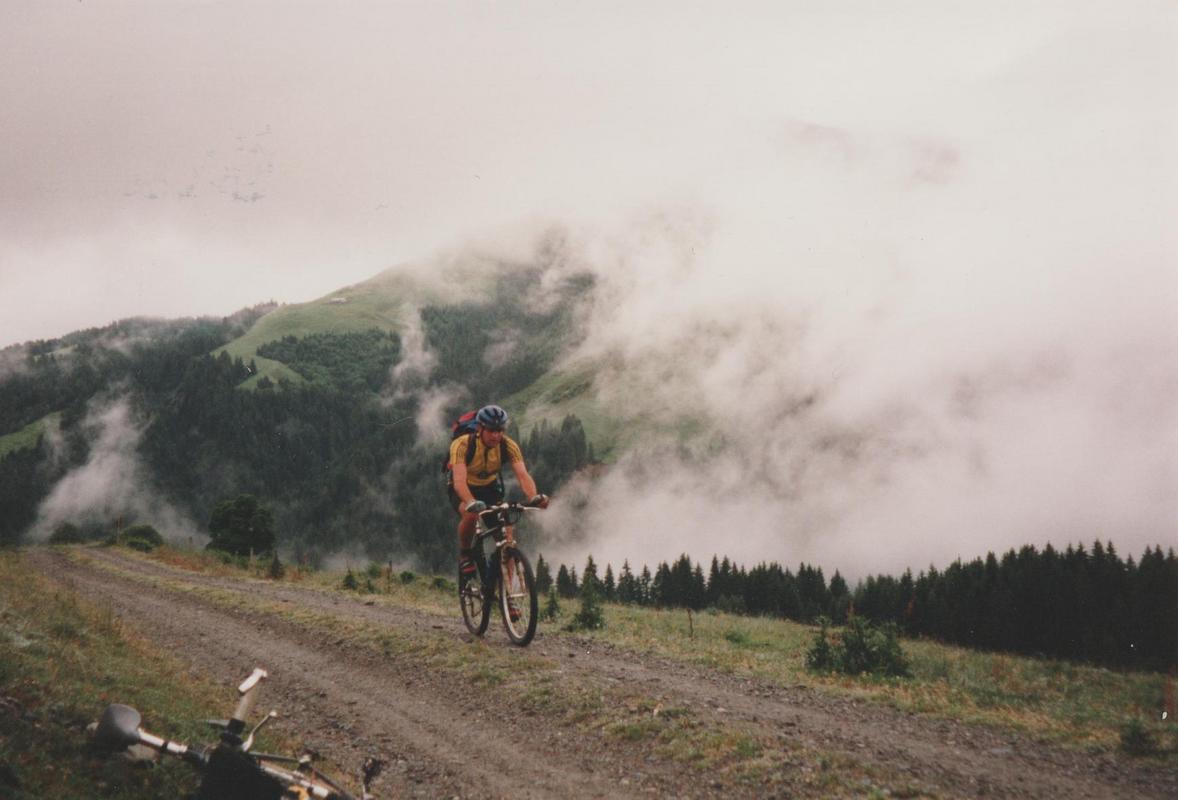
507	577
231	771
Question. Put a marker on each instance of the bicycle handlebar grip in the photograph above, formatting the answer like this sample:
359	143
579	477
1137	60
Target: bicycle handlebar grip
249	693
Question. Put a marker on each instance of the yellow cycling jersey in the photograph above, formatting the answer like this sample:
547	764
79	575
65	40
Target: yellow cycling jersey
484	467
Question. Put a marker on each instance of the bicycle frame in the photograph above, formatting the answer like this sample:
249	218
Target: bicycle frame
498	532
509	581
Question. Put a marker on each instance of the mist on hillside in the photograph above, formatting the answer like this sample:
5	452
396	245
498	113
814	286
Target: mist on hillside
113	488
854	378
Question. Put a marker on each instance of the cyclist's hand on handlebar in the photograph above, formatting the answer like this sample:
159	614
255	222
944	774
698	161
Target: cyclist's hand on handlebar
539	501
476	507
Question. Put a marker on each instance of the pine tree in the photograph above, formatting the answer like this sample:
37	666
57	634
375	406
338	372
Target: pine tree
276	570
661	591
552	605
714	581
627	585
697	598
609	589
590	616
565	584
645	587
840	599
543	576
589	576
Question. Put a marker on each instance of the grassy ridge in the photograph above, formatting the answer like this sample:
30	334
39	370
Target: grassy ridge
27	436
562	392
383	302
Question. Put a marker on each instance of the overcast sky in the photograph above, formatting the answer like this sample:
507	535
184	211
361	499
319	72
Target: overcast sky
935	242
178	158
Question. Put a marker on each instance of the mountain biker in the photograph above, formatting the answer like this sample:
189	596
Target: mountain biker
472	488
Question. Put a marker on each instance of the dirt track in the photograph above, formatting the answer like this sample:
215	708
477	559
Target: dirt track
439	744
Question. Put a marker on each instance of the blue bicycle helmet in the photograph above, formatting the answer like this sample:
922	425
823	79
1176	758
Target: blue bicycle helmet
492	418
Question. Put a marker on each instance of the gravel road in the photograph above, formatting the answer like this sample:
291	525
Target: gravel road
443	737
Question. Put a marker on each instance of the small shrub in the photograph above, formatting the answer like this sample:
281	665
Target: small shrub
444	584
145	533
589	618
276	570
350	583
862	648
66	533
408	577
552	605
135	543
1136	740
375	570
868	648
737	637
820	657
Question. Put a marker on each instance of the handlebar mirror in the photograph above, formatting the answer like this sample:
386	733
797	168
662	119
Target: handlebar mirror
118	728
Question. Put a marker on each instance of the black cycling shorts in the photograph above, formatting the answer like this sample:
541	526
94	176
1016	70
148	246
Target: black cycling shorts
490	494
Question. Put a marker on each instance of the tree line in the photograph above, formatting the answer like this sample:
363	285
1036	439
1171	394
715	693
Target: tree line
1085	605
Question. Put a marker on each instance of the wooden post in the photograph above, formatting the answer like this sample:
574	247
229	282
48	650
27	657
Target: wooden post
1169	698
690	624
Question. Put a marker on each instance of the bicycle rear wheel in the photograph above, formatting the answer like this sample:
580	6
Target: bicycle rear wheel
476	609
517	596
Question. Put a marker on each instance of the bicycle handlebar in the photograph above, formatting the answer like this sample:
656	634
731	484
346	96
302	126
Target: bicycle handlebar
249	695
495	518
507	506
120	727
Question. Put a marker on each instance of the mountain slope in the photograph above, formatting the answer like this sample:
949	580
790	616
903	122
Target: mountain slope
340	434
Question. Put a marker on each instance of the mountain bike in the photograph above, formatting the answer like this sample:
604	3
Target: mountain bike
230	770
506	577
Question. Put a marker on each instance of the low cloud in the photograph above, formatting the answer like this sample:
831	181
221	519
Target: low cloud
112	487
849	369
13	361
409	379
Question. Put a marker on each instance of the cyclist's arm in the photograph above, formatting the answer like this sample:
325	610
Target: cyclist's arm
458	470
525	479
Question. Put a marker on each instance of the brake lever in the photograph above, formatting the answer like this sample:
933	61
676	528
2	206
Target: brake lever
249	740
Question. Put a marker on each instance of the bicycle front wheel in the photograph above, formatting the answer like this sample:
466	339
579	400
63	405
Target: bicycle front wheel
517	596
476	610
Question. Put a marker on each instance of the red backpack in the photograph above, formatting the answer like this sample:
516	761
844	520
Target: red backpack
468	425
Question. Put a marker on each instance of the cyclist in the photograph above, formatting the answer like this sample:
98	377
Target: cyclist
475	481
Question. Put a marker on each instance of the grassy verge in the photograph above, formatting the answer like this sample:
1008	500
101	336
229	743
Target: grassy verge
1058	701
61	662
